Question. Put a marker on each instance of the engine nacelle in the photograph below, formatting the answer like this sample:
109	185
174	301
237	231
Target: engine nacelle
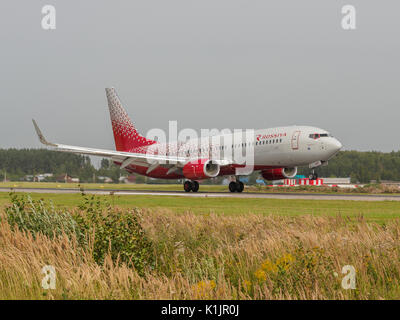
200	169
279	173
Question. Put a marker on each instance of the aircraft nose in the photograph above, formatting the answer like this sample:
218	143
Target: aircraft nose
335	145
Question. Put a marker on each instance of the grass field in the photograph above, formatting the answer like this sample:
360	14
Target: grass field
201	248
378	211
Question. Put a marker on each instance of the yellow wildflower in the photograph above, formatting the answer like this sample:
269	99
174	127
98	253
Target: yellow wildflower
285	261
269	266
247	285
260	275
203	289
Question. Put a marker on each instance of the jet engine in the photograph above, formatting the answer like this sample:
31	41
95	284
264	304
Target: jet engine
200	169
279	173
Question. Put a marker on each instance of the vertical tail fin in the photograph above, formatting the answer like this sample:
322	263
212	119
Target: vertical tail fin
125	134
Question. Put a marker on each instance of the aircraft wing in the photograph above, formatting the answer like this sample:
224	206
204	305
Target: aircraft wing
125	158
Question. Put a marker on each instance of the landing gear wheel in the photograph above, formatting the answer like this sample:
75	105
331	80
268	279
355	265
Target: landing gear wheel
187	186
313	176
232	186
195	186
239	186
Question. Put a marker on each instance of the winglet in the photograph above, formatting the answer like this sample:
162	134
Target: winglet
41	136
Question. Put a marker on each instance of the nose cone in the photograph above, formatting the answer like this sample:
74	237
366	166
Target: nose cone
334	146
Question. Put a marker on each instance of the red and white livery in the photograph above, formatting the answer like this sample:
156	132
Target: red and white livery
276	152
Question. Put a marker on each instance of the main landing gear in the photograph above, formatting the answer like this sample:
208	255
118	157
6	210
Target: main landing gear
191	186
236	186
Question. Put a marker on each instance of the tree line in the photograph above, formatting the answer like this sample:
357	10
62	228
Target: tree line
17	163
362	166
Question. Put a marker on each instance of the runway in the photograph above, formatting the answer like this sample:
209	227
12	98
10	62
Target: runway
301	196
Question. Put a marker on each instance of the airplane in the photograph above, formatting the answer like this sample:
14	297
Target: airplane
277	152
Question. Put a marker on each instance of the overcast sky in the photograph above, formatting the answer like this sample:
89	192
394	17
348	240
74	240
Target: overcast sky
205	63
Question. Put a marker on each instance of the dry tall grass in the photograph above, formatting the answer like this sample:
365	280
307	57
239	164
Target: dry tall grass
215	257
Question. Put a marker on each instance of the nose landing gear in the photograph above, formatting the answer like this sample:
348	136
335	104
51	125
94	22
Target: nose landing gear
236	186
191	186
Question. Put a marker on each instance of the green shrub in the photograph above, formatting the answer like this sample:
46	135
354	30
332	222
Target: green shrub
96	226
117	232
34	216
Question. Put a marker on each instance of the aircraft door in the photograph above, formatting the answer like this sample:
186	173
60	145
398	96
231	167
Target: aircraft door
295	140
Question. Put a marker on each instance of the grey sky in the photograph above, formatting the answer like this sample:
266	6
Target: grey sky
205	63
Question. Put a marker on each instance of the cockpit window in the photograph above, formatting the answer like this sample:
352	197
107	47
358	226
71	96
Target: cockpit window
319	135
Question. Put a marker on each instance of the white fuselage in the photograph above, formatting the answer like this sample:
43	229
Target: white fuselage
278	147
